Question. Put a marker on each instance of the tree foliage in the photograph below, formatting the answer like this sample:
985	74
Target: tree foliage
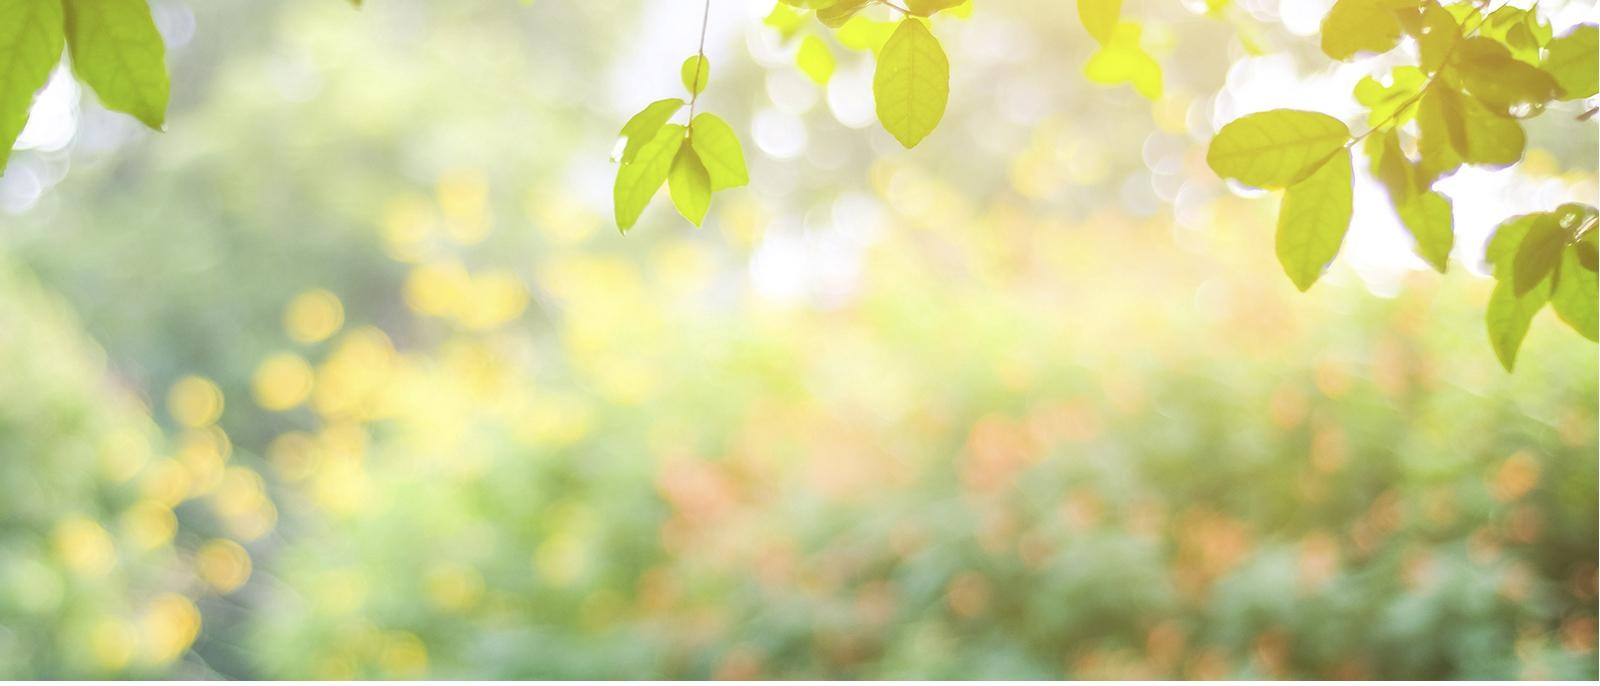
1477	74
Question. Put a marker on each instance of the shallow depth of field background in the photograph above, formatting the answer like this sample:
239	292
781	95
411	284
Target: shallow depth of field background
349	375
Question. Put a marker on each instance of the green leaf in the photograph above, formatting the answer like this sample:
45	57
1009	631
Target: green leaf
1313	220
1436	37
1539	253
719	150
785	19
1505	240
1356	26
927	8
642	127
30	46
1508	86
1487	138
1123	60
1509	314
864	34
696	73
1100	18
815	60
689	185
117	51
1439	130
638	181
912	83
836	15
1430	220
1275	149
1394	104
1572	61
1574	297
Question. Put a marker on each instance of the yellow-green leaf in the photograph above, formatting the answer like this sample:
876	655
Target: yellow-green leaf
1575	294
1488	138
1572	60
912	83
638	181
696	73
1357	26
1275	149
642	127
1100	18
1509	314
1508	86
1123	60
719	150
835	15
30	46
927	8
1429	219
689	185
1536	258
864	34
117	51
1439	131
815	60
1313	220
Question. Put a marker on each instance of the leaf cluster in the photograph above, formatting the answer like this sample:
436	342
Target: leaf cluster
1478	75
115	50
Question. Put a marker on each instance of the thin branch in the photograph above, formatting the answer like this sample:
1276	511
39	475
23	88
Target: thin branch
700	62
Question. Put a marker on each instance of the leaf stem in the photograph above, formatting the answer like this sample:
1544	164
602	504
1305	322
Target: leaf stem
700	62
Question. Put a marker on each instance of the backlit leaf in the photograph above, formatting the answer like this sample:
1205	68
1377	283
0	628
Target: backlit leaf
719	150
1508	316
1536	258
1428	217
638	181
1275	149
912	83
815	60
1100	17
31	39
642	127
689	185
1572	60
835	15
1123	60
1313	220
1508	86
1352	27
1574	297
117	51
696	73
927	8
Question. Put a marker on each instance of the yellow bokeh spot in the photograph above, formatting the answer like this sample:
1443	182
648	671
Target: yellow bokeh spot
294	454
454	586
495	298
149	524
435	289
282	382
123	452
407	221
313	316
223	565
168	627
340	592
351	381
195	401
111	642
464	199
165	482
561	559
83	546
560	217
204	453
403	656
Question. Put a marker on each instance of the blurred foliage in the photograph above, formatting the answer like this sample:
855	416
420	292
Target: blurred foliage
375	391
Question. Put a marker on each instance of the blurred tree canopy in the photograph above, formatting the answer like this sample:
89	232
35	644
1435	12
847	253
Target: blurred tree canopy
346	375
